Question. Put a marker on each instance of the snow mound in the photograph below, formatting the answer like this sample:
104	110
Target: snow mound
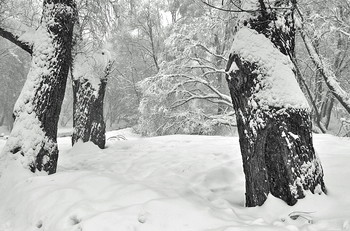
168	183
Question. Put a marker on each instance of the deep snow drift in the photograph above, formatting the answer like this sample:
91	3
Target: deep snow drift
170	183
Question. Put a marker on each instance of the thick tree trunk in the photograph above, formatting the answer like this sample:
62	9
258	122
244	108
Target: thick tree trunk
33	139
88	120
273	120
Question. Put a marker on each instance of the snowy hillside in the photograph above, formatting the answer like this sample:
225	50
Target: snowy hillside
170	183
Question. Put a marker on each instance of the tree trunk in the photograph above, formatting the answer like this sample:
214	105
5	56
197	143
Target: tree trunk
33	139
2	118
327	108
318	91
88	120
3	113
273	120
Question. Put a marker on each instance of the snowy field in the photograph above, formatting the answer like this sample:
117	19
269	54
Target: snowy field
170	183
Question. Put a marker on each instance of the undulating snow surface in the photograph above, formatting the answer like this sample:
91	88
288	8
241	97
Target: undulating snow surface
170	183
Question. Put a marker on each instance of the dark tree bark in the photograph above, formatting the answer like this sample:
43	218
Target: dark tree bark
88	120
33	139
275	134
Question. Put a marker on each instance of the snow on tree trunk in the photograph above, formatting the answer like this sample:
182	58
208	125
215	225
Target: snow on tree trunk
89	87
273	116
33	140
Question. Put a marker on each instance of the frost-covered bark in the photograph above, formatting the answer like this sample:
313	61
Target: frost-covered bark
89	87
33	140
273	116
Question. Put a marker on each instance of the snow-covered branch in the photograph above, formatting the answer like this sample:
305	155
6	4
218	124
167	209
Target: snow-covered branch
15	39
214	70
328	75
210	52
210	98
224	119
217	93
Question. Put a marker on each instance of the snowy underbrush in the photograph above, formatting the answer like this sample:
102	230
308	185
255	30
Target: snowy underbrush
169	183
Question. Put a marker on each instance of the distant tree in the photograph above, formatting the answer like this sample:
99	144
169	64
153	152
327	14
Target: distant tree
14	64
91	69
138	41
325	33
33	140
273	116
90	75
187	94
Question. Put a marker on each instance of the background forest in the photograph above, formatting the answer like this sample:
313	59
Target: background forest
169	57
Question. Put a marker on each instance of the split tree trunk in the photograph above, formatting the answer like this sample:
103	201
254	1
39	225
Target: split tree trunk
88	120
33	140
274	121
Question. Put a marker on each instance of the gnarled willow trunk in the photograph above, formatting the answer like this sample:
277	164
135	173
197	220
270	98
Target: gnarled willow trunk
273	116
88	120
33	140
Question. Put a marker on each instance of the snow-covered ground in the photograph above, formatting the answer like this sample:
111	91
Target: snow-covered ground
170	183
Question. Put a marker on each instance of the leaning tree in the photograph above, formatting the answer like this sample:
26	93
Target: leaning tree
33	140
273	116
